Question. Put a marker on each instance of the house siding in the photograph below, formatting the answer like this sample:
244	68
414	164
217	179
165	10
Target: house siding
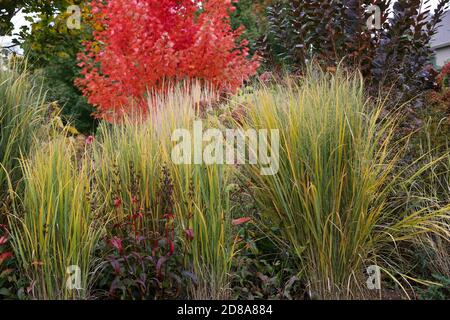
441	41
442	55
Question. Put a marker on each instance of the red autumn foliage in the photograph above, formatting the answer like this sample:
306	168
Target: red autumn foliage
189	234
117	203
445	72
116	243
237	222
144	44
4	255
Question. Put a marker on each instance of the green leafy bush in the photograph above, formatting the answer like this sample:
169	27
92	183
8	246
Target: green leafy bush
252	15
141	265
439	291
52	49
336	32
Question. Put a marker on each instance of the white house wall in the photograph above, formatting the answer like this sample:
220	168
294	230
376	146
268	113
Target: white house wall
442	56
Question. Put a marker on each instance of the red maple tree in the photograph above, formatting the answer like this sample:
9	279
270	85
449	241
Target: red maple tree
143	44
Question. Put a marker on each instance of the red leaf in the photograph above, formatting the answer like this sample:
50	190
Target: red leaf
189	234
171	247
117	244
169	216
117	203
237	222
5	256
3	240
90	140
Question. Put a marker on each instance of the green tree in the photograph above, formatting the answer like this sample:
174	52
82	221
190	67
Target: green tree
252	14
8	9
52	47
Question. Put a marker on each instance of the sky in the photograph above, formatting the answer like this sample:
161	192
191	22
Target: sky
19	21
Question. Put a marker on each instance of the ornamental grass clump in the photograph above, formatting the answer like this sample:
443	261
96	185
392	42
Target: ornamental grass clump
137	177
21	111
330	198
54	228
